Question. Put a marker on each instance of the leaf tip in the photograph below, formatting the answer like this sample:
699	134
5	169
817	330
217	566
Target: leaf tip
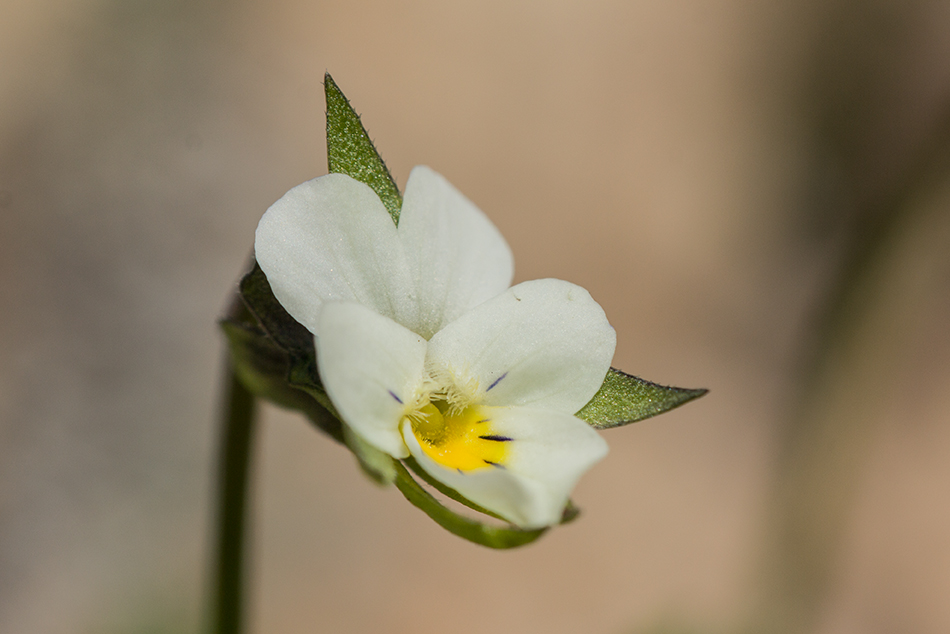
328	84
696	393
624	398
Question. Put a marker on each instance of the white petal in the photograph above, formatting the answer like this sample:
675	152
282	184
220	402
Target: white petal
331	239
543	343
548	453
372	369
456	255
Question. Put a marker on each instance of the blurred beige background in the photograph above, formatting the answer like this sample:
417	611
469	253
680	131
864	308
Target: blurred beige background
703	168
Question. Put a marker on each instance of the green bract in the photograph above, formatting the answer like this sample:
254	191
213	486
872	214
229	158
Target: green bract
624	399
350	150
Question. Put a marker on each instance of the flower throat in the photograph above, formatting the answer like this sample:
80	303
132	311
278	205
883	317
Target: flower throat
458	437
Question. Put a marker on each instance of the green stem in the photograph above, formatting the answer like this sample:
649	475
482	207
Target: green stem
237	437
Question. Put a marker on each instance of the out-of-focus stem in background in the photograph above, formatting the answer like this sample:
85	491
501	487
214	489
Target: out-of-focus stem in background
879	177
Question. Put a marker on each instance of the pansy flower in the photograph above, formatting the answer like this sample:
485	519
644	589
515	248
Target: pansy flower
424	350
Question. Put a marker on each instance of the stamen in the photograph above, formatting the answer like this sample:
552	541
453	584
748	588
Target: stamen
457	390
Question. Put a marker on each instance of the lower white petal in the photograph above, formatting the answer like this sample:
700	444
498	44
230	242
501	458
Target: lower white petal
372	369
546	454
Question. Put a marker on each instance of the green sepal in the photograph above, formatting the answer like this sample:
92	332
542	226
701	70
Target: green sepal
286	331
379	466
291	372
624	398
262	367
274	355
303	376
570	512
350	151
491	536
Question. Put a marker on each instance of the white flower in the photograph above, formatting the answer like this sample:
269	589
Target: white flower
423	351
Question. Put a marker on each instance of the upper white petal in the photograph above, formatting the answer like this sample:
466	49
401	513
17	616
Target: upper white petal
372	369
457	257
544	343
331	239
548	454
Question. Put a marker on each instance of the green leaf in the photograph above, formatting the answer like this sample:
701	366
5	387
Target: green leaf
473	531
350	150
624	398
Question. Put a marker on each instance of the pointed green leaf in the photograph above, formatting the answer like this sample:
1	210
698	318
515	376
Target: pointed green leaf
624	398
473	531
350	150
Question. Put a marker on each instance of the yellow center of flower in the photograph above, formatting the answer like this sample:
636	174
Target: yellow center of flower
458	438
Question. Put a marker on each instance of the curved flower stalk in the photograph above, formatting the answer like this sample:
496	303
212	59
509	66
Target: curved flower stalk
422	356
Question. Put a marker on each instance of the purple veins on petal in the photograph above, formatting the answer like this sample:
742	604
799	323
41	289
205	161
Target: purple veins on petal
494	464
496	381
393	394
496	438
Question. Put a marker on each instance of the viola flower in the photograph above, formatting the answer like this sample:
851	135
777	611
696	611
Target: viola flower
423	351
